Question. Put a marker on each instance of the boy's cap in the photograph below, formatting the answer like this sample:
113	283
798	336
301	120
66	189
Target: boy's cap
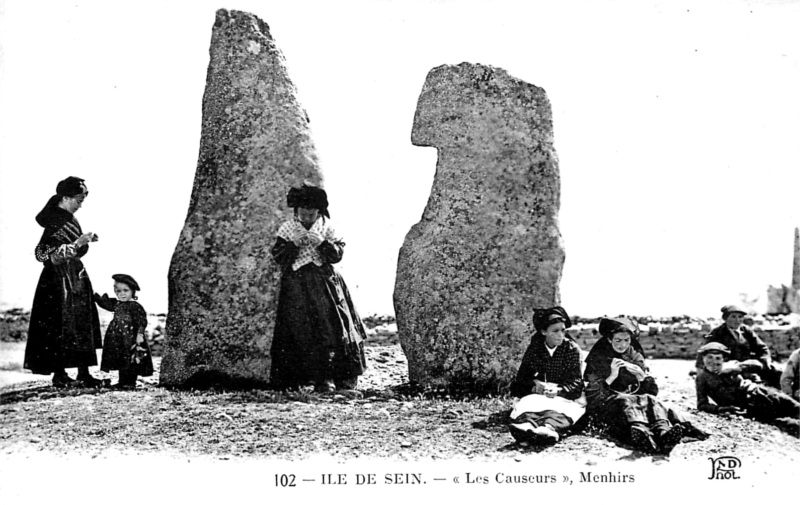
713	347
732	309
126	279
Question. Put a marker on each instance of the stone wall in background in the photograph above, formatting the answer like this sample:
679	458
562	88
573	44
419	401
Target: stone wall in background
674	341
681	341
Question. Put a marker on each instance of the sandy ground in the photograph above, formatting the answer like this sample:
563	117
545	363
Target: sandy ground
210	446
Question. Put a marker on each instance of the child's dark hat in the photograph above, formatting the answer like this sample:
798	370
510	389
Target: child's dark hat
713	347
127	279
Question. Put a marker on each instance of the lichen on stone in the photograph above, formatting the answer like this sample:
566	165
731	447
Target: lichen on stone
488	249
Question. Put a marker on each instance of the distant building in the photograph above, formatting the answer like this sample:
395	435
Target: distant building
786	299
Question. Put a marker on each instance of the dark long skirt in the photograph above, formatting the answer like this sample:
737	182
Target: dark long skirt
621	410
624	408
65	329
318	333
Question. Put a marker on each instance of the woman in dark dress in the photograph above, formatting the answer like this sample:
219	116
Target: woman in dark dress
319	337
64	330
621	394
548	381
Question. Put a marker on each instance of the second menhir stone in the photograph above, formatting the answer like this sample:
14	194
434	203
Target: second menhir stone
487	250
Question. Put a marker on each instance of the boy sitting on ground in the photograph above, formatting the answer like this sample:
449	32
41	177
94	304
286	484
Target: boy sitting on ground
790	378
721	381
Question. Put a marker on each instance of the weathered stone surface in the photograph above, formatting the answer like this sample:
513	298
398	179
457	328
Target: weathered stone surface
796	264
255	144
783	300
487	250
786	299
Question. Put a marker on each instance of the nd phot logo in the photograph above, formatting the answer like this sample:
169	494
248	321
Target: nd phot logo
724	468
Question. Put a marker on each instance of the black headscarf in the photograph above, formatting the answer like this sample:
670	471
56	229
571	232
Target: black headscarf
310	197
52	215
71	186
599	359
611	325
543	318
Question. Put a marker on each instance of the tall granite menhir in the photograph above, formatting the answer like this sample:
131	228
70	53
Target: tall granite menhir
786	299
255	144
487	250
796	261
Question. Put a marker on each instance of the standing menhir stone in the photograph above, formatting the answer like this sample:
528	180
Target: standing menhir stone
255	144
786	299
793	293
796	265
487	250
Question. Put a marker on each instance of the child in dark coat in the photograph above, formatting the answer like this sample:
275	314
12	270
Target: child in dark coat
722	382
125	347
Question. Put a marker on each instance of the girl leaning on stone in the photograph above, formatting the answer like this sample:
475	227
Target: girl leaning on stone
319	337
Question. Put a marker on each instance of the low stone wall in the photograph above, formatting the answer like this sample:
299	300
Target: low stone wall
14	325
681	342
659	340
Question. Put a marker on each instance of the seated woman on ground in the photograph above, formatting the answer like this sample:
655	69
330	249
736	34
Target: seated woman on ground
621	393
548	381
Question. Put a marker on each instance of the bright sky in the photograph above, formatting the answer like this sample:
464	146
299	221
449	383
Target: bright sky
676	125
